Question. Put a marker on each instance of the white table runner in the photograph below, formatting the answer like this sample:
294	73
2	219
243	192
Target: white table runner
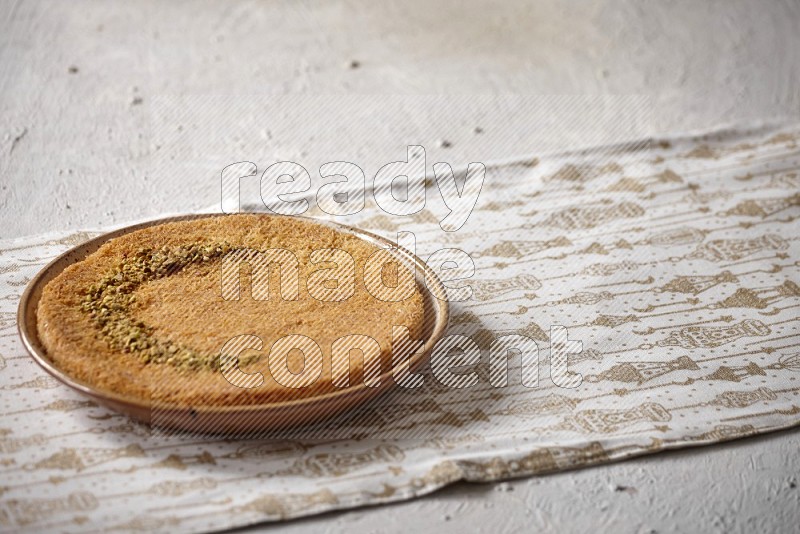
674	261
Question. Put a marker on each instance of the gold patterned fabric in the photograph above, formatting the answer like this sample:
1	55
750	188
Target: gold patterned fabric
673	261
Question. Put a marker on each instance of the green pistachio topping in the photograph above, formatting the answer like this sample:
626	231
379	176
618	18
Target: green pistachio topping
109	302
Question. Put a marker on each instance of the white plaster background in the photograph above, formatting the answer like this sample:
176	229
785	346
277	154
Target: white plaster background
88	149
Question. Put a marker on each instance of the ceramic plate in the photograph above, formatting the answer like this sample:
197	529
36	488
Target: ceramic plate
231	419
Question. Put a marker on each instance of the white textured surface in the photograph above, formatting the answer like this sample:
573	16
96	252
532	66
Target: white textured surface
77	150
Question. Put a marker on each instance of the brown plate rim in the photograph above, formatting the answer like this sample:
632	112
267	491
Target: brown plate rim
28	330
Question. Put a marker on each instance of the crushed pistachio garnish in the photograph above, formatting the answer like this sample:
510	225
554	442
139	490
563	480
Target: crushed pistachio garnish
109	304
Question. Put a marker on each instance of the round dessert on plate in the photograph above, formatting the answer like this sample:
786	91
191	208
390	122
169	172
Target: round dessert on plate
232	322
